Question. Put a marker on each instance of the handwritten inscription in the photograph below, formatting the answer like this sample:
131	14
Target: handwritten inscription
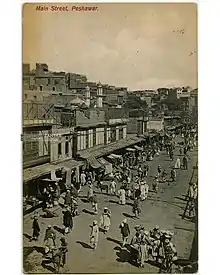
56	8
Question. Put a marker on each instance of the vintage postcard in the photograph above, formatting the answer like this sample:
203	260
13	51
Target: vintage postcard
110	139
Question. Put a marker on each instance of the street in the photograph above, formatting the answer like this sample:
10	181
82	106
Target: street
163	209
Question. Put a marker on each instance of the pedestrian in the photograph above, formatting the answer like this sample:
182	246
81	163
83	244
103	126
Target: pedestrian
63	249
67	220
95	205
49	239
171	154
146	169
185	162
173	174
155	236
57	193
83	178
143	249
78	186
137	191
56	258
73	191
170	254
67	199
74	207
90	191
36	229
163	175
137	207
125	231
128	190
139	171
90	177
122	198
177	164
94	236
113	187
105	220
142	189
159	170
155	184
146	189
129	178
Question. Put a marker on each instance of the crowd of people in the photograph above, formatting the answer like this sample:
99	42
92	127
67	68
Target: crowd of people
128	181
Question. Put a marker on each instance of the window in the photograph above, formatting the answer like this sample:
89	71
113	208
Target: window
48	81
59	149
113	134
67	146
54	89
94	136
121	133
41	88
87	139
25	96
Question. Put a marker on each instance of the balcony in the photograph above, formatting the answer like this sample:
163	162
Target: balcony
37	114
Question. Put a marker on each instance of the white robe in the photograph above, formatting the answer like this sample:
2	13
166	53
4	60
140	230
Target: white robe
177	164
105	221
142	189
146	189
122	194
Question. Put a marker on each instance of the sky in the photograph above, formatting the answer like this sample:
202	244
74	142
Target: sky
139	46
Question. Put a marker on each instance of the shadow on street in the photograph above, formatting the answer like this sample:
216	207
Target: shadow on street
85	245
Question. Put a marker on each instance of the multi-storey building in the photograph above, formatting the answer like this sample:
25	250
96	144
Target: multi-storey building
37	126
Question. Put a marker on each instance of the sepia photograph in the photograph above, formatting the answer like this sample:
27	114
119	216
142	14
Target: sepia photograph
110	138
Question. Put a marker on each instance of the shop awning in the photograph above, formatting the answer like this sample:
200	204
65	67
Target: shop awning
116	156
36	172
45	169
111	157
108	166
138	148
70	164
103	161
130	149
104	150
94	163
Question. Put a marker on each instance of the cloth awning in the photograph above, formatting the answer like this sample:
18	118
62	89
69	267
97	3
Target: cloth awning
138	148
45	169
130	149
111	157
116	156
94	163
103	161
108	166
104	150
71	164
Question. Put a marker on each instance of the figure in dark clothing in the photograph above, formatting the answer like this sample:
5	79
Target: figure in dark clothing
137	193
185	163
67	199
125	231
77	186
136	207
171	154
57	191
63	249
49	239
173	174
36	229
73	191
67	220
